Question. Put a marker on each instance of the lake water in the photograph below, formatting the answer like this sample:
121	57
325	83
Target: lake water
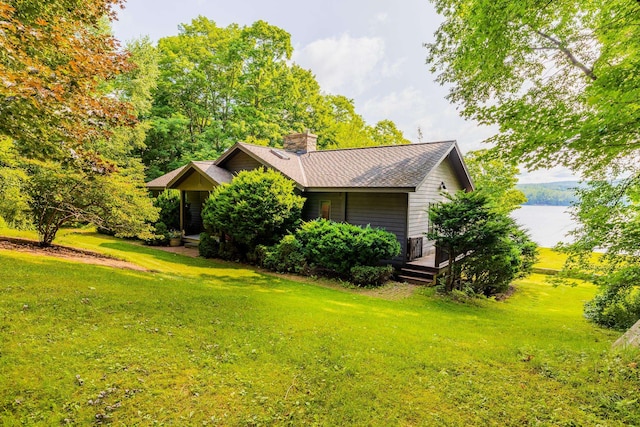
547	225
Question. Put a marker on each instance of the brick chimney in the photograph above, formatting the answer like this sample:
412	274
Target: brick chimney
300	142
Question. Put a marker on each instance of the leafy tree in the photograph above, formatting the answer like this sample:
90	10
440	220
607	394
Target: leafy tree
609	220
221	85
348	129
385	132
55	55
257	208
562	81
68	119
496	179
61	194
495	249
14	208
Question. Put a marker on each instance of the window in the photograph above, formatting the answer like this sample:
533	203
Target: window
325	209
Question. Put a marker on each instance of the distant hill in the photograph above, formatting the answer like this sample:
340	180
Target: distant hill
550	193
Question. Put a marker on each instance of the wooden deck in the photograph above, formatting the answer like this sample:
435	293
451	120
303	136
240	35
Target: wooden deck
191	241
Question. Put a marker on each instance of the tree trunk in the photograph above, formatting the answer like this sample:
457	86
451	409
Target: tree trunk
449	282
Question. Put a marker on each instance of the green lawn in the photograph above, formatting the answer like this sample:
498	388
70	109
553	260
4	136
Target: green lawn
197	342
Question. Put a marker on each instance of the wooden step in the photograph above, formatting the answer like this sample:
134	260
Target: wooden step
410	271
423	281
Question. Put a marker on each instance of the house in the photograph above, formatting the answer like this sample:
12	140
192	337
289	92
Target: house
388	186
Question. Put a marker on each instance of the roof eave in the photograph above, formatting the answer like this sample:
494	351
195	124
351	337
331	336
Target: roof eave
187	168
238	146
360	189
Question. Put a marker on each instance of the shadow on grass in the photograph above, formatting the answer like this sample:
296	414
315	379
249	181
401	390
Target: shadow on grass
166	256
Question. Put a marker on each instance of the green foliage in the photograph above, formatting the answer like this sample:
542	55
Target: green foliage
340	246
169	204
496	179
617	304
496	56
159	235
495	249
208	246
562	82
257	207
220	85
286	256
609	218
62	195
14	207
366	275
551	193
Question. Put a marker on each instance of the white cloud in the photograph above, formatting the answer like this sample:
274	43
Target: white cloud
396	104
345	65
555	174
381	17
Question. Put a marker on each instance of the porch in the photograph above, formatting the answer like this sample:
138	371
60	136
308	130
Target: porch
423	263
191	240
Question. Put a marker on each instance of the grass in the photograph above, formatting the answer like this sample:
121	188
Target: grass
549	259
197	342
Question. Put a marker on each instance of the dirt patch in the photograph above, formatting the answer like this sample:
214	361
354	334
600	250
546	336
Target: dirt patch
180	250
507	294
65	252
391	291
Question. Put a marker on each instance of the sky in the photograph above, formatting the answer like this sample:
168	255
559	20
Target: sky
368	50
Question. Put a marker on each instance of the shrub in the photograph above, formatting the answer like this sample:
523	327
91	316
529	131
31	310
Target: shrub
286	256
617	304
496	249
340	246
365	275
257	207
169	204
161	235
209	246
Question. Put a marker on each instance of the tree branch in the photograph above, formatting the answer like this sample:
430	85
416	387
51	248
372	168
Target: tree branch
586	70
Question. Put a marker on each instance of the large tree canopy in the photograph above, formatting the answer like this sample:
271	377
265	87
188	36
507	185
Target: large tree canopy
221	85
53	58
497	179
560	78
67	127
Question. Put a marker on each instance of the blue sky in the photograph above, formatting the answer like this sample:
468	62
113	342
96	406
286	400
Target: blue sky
371	51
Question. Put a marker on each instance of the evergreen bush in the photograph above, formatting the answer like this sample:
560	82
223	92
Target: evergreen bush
208	246
365	275
257	208
286	256
340	246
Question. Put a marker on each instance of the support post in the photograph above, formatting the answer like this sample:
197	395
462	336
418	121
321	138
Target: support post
182	212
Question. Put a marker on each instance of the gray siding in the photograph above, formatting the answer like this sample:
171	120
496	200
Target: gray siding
384	210
429	192
311	209
241	162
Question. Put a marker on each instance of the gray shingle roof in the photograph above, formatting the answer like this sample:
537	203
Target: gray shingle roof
214	172
206	167
286	162
394	166
162	181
